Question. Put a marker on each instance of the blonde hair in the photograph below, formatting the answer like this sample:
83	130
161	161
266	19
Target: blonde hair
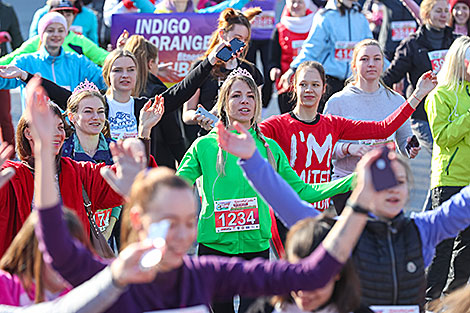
454	71
222	102
109	61
357	48
425	9
144	51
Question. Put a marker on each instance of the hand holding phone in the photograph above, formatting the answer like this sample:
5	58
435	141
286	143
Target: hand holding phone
226	53
382	173
413	143
202	111
157	236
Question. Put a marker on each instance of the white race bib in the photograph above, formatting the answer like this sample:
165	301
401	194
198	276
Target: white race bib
236	215
344	50
437	59
402	29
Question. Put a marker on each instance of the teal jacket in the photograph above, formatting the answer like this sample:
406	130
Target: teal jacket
200	161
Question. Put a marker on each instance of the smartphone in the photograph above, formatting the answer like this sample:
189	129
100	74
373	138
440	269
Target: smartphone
157	236
414	143
382	173
227	52
201	110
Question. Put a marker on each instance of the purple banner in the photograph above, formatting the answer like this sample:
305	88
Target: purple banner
180	38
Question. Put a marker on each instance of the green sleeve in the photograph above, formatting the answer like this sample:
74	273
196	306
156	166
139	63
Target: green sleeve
93	52
190	167
116	212
447	127
310	192
29	46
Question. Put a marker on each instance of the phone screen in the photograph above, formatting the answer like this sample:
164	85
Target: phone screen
226	53
383	176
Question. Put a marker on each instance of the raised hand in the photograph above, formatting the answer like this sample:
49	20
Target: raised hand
129	159
241	145
38	113
126	268
275	73
6	150
166	72
121	41
11	71
425	84
150	115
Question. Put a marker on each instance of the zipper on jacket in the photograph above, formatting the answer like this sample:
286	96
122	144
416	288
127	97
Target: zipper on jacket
53	70
391	231
350	39
451	159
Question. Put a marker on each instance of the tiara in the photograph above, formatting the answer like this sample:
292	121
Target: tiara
85	86
239	72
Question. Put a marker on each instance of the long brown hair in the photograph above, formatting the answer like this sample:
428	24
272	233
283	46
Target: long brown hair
227	20
144	51
24	259
302	239
23	148
145	187
222	101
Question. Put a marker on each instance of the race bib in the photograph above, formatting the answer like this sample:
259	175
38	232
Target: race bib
344	50
395	308
102	218
437	59
236	215
265	20
401	29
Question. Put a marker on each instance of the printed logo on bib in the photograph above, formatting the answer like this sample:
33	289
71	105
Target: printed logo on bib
194	309
344	50
265	20
236	215
402	29
102	218
437	59
296	46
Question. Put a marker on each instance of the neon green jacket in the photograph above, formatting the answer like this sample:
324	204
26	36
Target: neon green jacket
449	120
72	43
200	161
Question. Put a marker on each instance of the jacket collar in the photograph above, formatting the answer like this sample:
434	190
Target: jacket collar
421	37
380	226
44	54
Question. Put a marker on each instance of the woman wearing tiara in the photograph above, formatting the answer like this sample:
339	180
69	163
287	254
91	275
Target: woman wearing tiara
234	220
73	177
90	139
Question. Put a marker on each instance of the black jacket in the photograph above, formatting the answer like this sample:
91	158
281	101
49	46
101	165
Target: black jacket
167	144
411	59
388	258
9	23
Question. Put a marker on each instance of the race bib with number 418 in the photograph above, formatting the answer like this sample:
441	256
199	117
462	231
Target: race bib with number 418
344	50
236	215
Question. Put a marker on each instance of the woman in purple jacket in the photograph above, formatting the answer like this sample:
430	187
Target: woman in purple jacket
180	281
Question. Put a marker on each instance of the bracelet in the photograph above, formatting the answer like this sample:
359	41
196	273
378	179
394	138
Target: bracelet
356	208
347	148
414	96
143	138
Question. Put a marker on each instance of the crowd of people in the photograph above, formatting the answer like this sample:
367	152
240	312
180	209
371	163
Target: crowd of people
300	212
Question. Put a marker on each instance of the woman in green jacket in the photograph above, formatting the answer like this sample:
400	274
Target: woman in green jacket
234	219
447	108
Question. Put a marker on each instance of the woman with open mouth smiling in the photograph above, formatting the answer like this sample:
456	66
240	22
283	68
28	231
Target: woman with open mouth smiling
234	220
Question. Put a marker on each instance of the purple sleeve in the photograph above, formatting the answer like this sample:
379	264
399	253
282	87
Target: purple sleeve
68	257
442	223
276	191
262	277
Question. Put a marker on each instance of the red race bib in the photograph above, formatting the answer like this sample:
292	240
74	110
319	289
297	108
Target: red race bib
344	50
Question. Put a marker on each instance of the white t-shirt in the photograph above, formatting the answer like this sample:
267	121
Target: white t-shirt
122	121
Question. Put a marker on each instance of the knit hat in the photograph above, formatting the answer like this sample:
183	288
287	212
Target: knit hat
452	3
48	19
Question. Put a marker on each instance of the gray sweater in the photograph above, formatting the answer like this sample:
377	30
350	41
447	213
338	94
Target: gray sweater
356	104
